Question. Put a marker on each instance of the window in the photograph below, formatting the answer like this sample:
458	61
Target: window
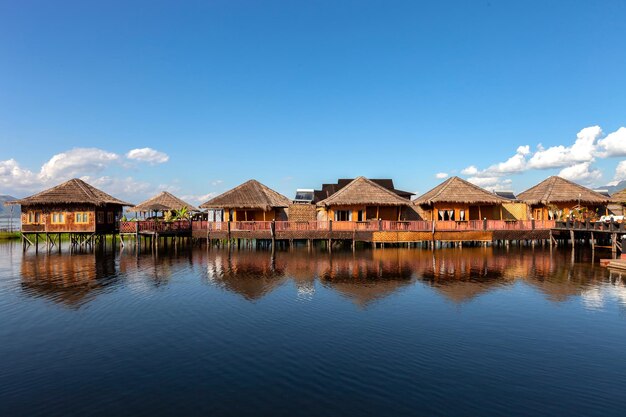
446	215
343	215
462	215
100	217
215	215
58	218
110	217
81	218
33	217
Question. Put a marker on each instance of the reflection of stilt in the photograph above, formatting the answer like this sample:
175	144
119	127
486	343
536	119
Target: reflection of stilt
593	256
593	242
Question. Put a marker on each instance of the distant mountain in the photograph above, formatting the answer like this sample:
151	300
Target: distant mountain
613	188
5	211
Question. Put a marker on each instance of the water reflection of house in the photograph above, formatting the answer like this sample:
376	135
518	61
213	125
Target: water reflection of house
152	269
249	274
365	279
462	276
68	280
561	284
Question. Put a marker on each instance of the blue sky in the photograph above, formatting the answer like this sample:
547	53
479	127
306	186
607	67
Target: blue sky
299	93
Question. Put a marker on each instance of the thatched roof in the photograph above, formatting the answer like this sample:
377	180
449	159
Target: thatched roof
364	191
330	189
559	190
619	197
163	201
458	190
74	191
249	195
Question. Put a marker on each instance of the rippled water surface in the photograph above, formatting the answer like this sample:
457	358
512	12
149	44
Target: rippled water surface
387	332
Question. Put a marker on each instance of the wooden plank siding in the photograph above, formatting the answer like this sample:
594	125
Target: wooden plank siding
100	219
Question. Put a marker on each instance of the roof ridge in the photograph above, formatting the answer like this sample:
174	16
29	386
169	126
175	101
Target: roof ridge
444	185
81	185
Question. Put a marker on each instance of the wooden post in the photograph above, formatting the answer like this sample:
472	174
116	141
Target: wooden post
330	234
614	244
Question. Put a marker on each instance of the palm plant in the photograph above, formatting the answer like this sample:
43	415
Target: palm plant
182	214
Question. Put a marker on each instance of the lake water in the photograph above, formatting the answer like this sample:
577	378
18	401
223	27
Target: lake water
469	332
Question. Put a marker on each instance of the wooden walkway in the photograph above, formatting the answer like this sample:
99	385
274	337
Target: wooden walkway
382	231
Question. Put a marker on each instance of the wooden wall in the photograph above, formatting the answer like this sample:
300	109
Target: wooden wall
257	215
69	211
302	213
369	212
515	211
472	212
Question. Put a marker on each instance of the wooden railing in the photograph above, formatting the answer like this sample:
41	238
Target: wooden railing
591	226
301	226
129	227
376	225
152	226
460	226
251	226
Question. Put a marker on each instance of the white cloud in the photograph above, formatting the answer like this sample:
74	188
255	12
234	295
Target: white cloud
216	182
491	183
620	172
515	164
441	175
198	199
76	161
148	155
614	144
60	167
583	150
126	188
575	160
14	179
582	173
86	163
470	170
170	188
